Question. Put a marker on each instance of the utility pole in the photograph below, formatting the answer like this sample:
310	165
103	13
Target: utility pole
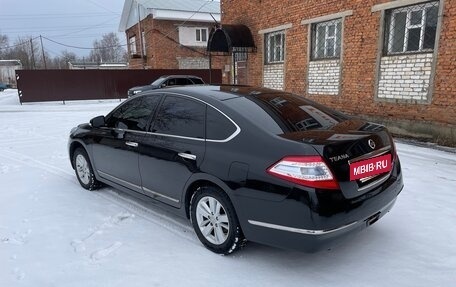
42	51
33	54
140	36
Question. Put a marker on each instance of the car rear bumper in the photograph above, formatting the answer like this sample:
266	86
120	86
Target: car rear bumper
312	240
305	224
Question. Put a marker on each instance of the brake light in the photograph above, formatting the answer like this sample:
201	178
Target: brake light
310	171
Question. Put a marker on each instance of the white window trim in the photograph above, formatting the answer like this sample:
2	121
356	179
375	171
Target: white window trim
144	47
199	30
132	45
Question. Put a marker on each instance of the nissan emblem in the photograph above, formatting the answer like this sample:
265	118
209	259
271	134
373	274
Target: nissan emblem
371	144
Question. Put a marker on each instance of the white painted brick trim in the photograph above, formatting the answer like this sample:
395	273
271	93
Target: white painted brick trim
327	17
395	4
275	29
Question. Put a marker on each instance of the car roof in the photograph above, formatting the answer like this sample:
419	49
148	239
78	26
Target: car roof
219	92
179	76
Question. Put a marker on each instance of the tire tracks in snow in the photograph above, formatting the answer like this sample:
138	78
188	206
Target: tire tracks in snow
161	219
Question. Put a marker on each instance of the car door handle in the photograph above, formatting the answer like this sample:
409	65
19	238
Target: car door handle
187	155
132	144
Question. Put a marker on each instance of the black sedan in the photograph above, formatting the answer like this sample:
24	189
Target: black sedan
244	163
167	81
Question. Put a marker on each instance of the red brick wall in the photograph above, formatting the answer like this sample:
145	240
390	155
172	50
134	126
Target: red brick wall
361	36
163	48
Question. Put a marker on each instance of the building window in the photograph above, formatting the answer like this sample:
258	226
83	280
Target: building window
274	47
144	46
411	29
132	45
326	39
201	35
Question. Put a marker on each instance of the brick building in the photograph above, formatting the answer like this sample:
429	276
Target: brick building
171	35
389	61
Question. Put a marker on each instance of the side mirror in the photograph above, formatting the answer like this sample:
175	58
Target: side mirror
97	122
163	85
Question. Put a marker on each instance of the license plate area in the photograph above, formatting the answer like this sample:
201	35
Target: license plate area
370	168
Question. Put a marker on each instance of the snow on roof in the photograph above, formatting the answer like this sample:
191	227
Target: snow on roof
184	10
182	5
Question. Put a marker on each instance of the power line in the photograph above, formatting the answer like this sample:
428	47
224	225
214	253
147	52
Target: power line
99	25
82	48
58	15
101	6
19	44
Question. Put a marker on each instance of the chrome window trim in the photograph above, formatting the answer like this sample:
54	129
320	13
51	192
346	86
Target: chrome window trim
299	230
232	136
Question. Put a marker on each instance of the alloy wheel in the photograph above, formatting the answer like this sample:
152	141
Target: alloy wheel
212	220
82	168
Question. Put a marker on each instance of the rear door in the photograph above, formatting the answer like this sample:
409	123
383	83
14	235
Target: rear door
115	150
174	148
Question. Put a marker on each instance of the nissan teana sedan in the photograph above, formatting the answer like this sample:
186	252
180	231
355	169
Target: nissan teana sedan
244	163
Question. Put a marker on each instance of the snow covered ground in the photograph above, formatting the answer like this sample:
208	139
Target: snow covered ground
54	233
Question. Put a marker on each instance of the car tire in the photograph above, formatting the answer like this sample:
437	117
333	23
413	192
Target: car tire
214	220
83	170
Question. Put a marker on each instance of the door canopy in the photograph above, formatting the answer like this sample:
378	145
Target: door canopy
225	38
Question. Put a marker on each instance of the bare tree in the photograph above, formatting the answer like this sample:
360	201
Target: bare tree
61	62
108	49
25	49
3	45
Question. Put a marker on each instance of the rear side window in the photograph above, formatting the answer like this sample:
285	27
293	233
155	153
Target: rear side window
183	81
180	117
218	127
134	114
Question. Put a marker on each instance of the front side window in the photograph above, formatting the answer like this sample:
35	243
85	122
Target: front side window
180	117
274	47
411	28
132	45
326	39
134	114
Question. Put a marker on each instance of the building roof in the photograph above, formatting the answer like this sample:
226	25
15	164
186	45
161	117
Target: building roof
180	10
10	63
203	6
95	65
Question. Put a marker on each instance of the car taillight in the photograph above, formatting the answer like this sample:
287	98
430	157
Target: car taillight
310	171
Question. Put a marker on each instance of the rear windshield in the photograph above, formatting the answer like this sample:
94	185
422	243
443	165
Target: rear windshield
283	113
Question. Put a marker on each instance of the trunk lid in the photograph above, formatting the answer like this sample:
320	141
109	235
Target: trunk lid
345	144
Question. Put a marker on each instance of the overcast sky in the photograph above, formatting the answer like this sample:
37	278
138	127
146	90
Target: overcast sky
75	23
